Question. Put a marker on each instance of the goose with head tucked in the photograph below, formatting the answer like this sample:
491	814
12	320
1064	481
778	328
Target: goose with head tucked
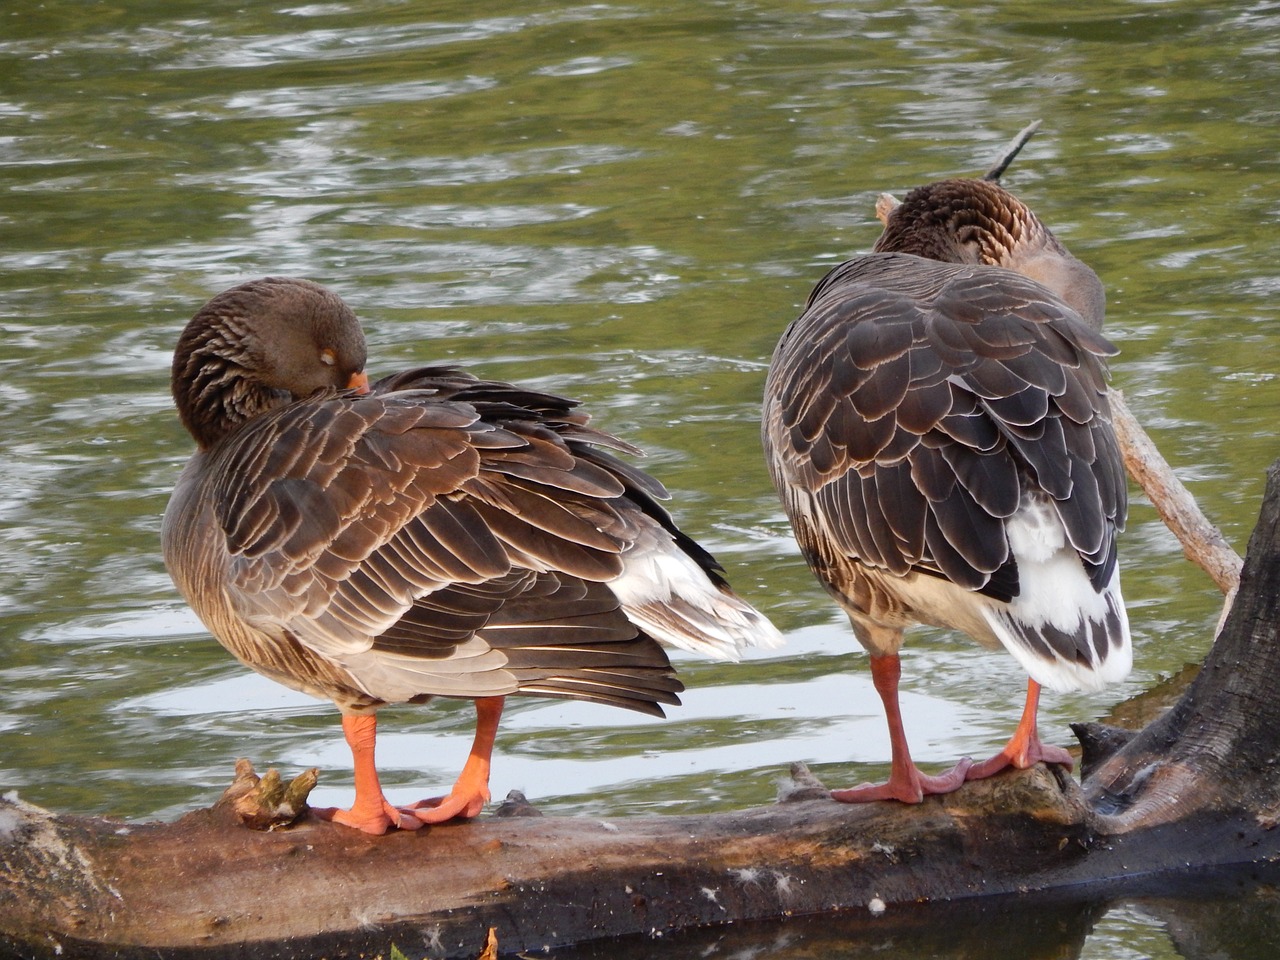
937	426
433	534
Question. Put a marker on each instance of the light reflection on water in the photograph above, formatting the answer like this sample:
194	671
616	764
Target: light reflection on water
622	203
550	745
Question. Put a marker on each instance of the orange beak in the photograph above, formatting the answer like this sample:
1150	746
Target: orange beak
359	382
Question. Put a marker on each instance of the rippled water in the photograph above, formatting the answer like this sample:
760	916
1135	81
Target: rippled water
624	203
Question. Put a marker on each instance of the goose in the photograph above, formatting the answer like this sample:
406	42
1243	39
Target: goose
431	534
936	424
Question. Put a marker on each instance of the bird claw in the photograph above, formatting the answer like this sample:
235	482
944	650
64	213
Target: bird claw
459	805
376	823
909	787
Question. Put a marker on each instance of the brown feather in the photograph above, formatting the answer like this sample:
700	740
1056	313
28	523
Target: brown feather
969	376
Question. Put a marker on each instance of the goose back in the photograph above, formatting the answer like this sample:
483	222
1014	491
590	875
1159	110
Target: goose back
912	412
441	535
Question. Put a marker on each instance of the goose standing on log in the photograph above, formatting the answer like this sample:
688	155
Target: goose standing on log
431	535
937	426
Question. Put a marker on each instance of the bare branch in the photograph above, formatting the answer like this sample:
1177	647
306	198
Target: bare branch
1202	542
1012	150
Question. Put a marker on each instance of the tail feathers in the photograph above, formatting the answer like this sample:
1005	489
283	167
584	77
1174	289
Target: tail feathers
1087	651
641	689
668	595
720	630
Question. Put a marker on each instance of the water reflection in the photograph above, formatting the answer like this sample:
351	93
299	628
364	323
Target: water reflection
1210	915
1026	928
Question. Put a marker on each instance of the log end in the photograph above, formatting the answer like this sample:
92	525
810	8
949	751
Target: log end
1098	741
267	802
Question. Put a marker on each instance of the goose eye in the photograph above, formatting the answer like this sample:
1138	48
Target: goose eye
328	357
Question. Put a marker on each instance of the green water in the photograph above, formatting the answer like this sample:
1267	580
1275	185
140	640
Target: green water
624	203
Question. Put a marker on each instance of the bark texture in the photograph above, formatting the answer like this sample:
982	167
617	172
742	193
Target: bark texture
1217	747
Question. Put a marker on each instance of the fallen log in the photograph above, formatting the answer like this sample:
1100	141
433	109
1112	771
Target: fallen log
1196	788
207	887
1217	746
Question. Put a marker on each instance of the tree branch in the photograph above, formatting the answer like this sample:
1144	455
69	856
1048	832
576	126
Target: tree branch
1202	542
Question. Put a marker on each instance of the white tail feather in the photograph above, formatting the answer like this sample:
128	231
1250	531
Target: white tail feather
1057	600
665	592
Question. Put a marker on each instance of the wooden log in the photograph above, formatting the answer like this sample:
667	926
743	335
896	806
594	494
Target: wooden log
207	887
1202	543
1217	746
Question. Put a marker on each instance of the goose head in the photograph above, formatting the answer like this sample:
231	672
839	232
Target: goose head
259	346
980	222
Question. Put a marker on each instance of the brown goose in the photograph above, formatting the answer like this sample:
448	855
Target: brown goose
434	534
937	426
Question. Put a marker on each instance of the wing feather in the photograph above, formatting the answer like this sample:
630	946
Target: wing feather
442	535
912	402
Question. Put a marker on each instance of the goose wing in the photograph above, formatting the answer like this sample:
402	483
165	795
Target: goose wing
440	535
914	404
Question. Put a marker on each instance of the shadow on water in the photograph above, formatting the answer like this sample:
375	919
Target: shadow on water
1202	916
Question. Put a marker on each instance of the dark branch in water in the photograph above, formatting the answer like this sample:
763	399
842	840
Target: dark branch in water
1012	150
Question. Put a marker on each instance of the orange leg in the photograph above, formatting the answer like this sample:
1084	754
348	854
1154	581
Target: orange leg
471	791
906	782
370	812
1024	748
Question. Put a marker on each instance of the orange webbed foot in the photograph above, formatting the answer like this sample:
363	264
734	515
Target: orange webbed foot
1024	748
462	803
911	786
1027	755
376	822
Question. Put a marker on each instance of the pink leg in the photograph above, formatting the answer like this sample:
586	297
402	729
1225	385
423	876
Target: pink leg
370	812
471	791
1024	748
906	782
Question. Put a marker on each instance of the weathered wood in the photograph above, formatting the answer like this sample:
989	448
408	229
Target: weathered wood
1202	542
207	887
1217	747
997	169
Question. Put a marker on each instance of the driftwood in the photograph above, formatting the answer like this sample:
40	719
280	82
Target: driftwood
1202	542
1197	787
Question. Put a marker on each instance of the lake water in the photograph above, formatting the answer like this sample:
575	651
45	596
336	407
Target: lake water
622	202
